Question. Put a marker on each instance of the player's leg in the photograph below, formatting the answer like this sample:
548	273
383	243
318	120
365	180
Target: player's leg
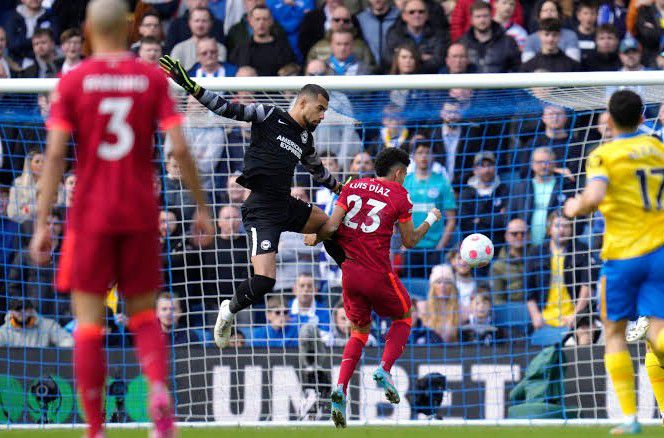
317	218
89	357
655	368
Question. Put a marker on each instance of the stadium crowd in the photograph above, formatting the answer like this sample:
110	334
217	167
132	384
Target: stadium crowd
485	173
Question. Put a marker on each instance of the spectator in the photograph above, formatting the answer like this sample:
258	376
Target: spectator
228	258
464	281
440	312
406	60
316	23
427	190
24	327
200	24
169	312
393	133
306	307
28	17
44	64
23	193
150	26
586	16
235	193
605	56
456	61
180	28
558	283
613	12
659	61
69	186
415	140
71	43
208	64
362	166
483	201
549	57
460	18
503	14
323	194
489	48
341	21
630	55
508	268
294	258
374	23
568	43
149	50
8	67
420	334
264	52
279	331
533	199
114	330
416	27
342	61
650	30
241	32
289	14
480	326
176	198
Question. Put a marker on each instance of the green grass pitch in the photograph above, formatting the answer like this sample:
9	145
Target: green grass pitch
354	432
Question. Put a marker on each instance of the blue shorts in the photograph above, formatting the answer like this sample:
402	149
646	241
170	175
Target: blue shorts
633	287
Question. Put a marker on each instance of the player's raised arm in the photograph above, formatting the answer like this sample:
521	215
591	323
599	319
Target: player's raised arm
410	235
216	103
56	151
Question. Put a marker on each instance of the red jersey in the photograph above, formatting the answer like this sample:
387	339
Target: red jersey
372	208
111	104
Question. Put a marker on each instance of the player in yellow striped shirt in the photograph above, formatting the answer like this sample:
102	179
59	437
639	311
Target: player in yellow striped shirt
625	179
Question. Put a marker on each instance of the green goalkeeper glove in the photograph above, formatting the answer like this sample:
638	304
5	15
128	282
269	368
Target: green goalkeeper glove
174	69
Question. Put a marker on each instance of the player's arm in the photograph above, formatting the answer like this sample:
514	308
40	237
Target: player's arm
213	101
329	227
47	189
314	166
587	201
410	235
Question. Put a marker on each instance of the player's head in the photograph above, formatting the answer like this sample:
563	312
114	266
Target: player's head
625	111
311	104
391	164
106	24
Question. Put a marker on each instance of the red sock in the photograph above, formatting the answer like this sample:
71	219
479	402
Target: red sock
90	373
352	354
150	344
397	337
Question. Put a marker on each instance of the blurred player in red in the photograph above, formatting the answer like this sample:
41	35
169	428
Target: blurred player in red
364	219
112	104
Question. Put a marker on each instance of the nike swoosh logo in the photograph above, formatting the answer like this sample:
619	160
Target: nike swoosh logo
282	122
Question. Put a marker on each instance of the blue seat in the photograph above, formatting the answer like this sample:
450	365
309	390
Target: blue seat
548	335
511	315
417	287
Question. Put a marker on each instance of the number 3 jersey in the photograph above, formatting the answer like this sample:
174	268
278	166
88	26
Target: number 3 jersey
372	206
112	104
633	167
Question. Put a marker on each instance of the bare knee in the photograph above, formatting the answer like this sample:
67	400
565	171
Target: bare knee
364	329
614	333
406	315
89	309
140	303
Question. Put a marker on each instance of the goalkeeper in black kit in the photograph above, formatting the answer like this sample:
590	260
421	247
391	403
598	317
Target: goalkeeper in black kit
279	140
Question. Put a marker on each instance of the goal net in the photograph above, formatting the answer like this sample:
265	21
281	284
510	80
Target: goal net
498	154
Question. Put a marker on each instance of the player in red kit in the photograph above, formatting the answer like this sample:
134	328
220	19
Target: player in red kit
364	219
112	104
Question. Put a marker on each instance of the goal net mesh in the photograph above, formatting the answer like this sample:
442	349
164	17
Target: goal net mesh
486	158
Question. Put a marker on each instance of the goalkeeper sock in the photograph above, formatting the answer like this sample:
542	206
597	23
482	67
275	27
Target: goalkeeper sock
352	354
90	373
335	251
396	337
656	376
621	371
251	291
150	344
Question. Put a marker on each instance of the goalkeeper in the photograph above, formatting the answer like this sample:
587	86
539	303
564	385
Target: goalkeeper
279	140
626	181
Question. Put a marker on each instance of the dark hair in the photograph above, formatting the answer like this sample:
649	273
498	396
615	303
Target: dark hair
550	25
558	8
209	12
626	109
259	7
342	32
42	31
70	33
607	28
479	5
412	48
150	40
150	13
590	4
388	158
313	90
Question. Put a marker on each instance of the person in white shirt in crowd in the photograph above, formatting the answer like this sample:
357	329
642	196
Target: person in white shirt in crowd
200	24
71	44
208	64
503	10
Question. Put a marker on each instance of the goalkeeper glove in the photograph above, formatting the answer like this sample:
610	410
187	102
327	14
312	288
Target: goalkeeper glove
174	69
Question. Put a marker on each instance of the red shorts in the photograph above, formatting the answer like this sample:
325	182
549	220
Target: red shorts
94	262
365	290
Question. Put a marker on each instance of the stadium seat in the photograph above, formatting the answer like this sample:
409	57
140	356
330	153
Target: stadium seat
417	287
511	315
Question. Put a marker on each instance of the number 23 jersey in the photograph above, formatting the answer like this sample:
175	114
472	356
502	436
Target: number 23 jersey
372	206
112	105
633	210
